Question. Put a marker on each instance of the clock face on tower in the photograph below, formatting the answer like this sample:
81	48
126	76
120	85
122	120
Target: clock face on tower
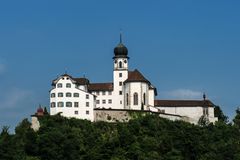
115	61
125	61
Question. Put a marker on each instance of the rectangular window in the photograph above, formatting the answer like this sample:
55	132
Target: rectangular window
87	104
87	96
87	112
120	83
120	92
53	95
98	102
68	85
76	112
120	74
68	104
120	102
53	104
68	94
76	95
75	104
110	101
103	101
59	85
60	104
109	93
60	94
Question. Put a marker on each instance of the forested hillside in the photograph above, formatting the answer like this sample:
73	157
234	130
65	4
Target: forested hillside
145	138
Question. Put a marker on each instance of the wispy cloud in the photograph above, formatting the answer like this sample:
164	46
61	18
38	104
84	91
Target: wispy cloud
14	97
182	94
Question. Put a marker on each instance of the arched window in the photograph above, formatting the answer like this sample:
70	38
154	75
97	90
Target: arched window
53	104
135	99
68	85
120	64
127	99
60	104
68	104
144	98
68	94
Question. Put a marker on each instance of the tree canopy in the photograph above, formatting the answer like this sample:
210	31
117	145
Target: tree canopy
144	138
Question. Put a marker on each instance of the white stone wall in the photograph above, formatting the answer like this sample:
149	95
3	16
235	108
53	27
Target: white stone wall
119	76
192	113
125	116
85	101
35	123
117	61
136	87
104	99
151	97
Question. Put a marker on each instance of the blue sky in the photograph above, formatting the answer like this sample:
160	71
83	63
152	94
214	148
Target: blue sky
183	47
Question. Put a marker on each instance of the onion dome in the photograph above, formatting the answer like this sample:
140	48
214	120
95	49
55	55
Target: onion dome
40	110
120	50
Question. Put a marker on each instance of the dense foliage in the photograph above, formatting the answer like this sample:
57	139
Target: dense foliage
148	137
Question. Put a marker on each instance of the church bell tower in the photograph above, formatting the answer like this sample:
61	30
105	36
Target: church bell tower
120	73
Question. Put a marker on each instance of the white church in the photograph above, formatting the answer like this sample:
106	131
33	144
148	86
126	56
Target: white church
129	91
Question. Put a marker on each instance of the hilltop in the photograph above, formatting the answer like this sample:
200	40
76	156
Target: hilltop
148	137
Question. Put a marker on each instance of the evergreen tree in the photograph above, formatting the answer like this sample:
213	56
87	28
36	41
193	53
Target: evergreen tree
220	115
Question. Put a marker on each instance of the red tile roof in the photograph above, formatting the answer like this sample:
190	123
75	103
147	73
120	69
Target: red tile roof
183	103
100	87
136	76
81	81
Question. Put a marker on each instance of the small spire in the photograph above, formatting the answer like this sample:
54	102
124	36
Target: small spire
204	96
120	37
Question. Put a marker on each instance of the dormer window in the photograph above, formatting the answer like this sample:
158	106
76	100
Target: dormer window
59	85
68	85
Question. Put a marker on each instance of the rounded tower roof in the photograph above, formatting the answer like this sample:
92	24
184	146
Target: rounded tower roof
39	110
120	50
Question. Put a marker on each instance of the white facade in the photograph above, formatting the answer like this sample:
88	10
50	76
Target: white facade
130	90
192	113
70	99
136	95
104	99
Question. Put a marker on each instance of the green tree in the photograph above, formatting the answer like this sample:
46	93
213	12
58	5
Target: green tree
236	120
219	113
